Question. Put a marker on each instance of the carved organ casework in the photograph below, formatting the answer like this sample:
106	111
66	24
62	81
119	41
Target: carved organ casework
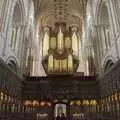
60	49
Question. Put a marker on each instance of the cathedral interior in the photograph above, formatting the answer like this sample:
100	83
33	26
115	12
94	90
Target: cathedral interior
59	57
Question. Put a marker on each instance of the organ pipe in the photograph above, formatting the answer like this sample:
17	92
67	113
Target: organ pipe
67	42
53	42
46	43
64	65
75	43
60	67
56	65
50	63
70	63
60	40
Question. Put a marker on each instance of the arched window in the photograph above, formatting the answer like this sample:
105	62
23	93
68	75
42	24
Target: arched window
16	22
56	65
104	28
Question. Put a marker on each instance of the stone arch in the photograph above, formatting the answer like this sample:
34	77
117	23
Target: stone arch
100	7
19	8
103	15
18	20
12	63
103	23
108	63
17	16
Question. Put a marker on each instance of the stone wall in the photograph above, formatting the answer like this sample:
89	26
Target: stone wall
25	26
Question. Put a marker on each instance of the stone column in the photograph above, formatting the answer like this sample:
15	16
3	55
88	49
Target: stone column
22	43
98	46
111	5
103	38
111	18
6	16
20	40
2	12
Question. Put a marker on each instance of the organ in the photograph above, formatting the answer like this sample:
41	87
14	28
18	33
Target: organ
60	49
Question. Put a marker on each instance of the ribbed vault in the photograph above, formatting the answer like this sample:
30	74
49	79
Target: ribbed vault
48	12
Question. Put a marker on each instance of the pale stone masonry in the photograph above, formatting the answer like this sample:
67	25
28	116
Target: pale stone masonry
100	35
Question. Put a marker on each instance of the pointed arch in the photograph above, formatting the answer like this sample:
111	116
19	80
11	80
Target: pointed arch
108	63
12	63
18	20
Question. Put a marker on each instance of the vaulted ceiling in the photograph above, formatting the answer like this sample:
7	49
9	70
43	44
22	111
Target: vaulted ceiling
48	12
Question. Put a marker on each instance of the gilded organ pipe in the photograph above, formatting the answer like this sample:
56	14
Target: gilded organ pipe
46	42
53	42
50	63
64	65
60	67
67	42
70	63
60	41
74	42
56	65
